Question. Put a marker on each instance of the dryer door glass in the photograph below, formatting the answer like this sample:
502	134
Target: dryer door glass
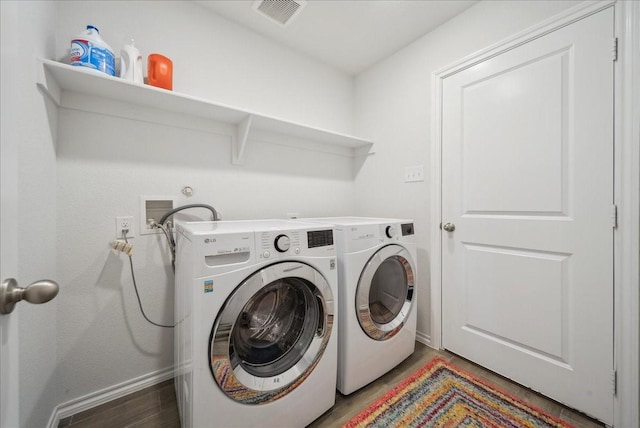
271	332
385	292
388	290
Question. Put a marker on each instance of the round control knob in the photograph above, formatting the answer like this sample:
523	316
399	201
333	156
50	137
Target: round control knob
390	231
282	243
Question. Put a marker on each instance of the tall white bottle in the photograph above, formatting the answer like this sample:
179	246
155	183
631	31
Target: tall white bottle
131	64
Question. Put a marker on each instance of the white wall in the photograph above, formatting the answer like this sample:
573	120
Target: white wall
105	163
27	33
393	107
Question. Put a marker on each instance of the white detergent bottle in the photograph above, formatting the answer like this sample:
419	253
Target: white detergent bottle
89	50
131	64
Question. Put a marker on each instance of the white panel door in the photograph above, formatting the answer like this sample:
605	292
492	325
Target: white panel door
527	181
9	357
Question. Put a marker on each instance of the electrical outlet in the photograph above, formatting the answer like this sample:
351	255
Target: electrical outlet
414	173
124	223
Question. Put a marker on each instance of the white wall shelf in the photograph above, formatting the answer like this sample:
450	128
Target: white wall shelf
78	88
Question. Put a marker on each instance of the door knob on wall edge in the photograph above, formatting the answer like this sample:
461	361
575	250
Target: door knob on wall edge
38	292
449	227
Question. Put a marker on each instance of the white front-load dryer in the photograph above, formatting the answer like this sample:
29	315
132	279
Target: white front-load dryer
377	297
256	313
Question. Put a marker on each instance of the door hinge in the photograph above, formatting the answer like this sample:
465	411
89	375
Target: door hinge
614	216
614	50
614	382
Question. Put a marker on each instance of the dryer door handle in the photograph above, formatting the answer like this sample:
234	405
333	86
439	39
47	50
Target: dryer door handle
322	325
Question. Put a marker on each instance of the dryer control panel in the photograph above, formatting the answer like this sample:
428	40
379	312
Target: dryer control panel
407	229
395	231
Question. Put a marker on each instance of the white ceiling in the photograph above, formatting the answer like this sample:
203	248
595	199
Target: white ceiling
350	35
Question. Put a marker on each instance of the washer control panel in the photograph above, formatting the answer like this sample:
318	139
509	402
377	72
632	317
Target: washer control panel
275	243
319	238
282	243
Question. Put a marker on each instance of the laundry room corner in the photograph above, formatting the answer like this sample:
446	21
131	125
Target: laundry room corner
316	188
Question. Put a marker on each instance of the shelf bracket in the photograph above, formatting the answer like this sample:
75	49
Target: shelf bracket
239	140
364	151
47	84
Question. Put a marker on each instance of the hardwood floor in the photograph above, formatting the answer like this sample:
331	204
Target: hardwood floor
155	407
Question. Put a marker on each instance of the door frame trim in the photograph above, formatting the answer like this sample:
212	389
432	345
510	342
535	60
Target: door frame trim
627	198
626	190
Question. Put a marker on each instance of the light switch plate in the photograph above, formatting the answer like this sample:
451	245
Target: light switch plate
413	173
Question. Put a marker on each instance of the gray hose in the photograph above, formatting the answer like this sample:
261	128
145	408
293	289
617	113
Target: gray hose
168	214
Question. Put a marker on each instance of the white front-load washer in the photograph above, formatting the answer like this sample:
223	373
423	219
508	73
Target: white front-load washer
256	313
377	297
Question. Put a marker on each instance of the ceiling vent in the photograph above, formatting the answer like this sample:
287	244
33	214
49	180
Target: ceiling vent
280	11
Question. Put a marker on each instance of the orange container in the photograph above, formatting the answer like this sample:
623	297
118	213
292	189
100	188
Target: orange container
160	71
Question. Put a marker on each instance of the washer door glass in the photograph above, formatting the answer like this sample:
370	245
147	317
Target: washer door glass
271	332
385	292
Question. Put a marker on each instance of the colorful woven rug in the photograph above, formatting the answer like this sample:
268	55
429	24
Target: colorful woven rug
443	395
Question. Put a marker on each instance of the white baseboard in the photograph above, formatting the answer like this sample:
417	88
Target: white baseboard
105	395
423	338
